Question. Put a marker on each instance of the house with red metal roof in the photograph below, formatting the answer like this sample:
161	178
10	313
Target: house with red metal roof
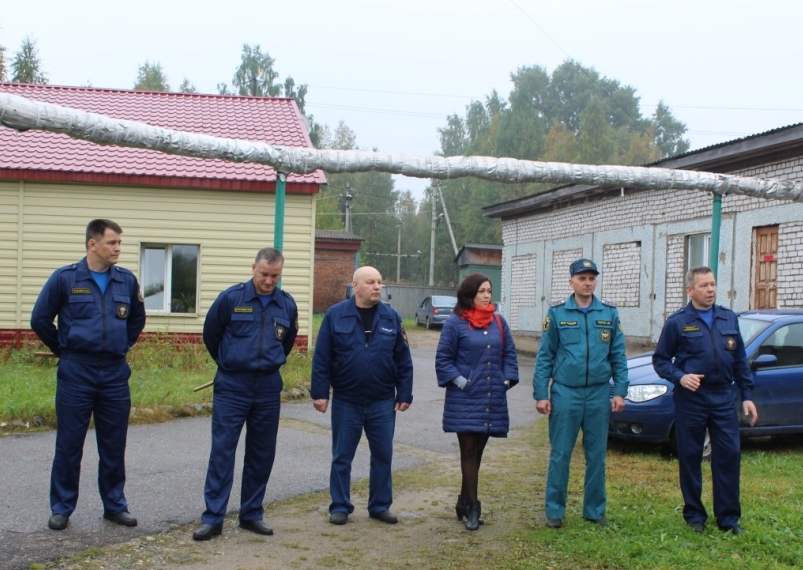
191	226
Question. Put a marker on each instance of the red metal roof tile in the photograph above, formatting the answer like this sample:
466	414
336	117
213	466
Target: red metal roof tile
40	155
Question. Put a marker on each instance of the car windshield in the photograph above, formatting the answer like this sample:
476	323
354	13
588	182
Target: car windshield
751	327
444	301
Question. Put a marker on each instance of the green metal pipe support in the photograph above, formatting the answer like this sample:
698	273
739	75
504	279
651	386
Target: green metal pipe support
278	224
716	221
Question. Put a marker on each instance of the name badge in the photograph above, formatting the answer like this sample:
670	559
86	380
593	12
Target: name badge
604	323
691	328
243	309
568	323
81	291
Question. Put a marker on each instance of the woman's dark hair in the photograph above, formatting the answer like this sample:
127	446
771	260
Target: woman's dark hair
468	290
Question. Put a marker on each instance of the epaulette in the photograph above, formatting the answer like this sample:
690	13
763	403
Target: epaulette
608	303
558	303
675	313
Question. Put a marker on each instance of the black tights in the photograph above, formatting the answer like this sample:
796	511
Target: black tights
471	447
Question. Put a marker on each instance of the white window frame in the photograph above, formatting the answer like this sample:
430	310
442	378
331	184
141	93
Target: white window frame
167	271
706	237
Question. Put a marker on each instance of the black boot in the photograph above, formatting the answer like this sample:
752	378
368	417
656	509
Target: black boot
473	515
461	508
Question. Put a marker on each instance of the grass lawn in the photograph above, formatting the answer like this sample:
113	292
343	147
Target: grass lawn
163	375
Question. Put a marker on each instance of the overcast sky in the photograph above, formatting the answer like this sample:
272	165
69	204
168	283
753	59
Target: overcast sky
393	70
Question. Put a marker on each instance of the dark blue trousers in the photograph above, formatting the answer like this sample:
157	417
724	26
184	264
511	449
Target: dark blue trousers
255	404
349	419
85	389
715	410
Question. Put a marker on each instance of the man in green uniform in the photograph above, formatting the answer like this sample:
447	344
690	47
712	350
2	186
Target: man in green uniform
582	346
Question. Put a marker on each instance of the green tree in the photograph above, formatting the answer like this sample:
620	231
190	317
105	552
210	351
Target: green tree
256	76
187	87
26	65
151	77
669	131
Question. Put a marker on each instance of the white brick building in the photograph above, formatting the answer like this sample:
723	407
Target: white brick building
644	240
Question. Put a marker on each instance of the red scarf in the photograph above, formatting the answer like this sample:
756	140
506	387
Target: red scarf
479	317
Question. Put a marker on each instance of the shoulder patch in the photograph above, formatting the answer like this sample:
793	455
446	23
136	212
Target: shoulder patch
547	322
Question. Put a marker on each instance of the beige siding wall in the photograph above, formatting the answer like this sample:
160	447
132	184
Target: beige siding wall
229	227
9	263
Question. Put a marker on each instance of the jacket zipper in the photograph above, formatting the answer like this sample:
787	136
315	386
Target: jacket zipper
588	348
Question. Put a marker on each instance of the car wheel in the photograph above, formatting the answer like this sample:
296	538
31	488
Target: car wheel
673	444
427	324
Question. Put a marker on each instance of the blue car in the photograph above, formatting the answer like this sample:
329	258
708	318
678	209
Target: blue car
774	346
433	311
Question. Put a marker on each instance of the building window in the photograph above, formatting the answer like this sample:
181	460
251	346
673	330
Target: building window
170	278
697	248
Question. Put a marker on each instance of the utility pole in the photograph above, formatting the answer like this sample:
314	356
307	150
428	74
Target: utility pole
348	207
448	223
432	237
398	253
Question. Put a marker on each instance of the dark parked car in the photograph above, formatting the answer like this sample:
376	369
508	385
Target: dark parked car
433	311
774	346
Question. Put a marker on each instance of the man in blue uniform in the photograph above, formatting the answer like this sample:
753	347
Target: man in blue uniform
100	316
708	352
249	331
361	354
582	347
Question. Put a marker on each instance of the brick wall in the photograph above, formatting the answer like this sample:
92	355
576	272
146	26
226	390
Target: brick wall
675	292
640	208
561	260
790	265
333	271
621	263
523	281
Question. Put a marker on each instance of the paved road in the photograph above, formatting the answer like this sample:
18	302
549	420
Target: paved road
166	466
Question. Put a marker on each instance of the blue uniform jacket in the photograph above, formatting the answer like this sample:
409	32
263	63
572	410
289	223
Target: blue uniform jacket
478	355
242	337
358	371
718	353
90	323
581	349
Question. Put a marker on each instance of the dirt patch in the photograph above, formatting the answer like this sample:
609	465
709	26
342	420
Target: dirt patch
428	534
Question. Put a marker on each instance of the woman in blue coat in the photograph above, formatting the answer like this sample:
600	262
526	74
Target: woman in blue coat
476	363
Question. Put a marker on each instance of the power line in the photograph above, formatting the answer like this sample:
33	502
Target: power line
397	92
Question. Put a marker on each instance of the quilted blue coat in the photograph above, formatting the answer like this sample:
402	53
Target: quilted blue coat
481	357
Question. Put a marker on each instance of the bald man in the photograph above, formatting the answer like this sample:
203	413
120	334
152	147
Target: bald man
362	356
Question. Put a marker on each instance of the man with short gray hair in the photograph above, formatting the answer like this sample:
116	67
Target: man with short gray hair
701	352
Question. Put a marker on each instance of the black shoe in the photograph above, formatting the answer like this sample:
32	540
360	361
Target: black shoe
58	522
385	517
554	523
461	507
338	517
205	532
696	526
258	527
600	522
123	519
736	529
473	515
